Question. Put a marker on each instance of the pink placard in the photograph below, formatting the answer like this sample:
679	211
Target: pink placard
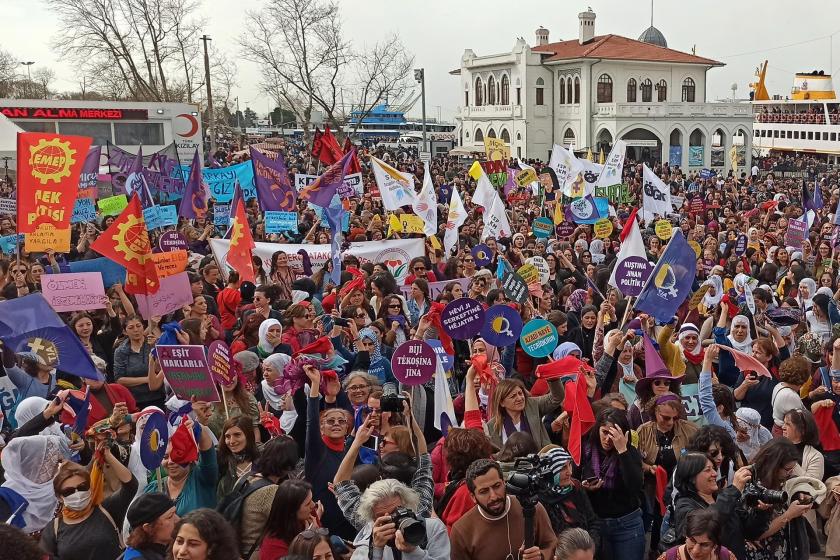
173	294
74	291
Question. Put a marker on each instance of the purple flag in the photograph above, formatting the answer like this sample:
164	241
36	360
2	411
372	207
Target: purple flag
90	170
321	191
271	178
194	203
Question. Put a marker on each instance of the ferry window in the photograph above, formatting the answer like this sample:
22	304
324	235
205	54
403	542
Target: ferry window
833	136
775	134
99	131
825	135
796	135
790	134
810	135
37	126
135	134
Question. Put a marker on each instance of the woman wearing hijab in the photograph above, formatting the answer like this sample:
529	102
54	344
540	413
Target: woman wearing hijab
738	338
584	335
807	290
379	367
751	434
685	357
270	340
27	495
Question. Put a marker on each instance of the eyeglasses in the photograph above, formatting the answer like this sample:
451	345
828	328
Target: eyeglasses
468	260
661	382
69	491
388	442
335	421
419	268
667	418
394	306
355	388
19	271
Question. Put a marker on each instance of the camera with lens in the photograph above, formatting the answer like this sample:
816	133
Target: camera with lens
532	476
412	526
390	401
755	492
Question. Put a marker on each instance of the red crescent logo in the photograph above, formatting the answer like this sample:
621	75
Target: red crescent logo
193	125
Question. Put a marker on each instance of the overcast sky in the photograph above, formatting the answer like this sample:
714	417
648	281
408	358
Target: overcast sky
793	36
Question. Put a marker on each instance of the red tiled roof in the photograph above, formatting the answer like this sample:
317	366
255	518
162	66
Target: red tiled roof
618	48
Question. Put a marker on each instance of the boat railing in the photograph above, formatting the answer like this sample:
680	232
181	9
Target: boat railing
796	118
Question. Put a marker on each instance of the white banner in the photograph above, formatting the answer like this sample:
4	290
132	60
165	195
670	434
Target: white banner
394	253
657	197
613	169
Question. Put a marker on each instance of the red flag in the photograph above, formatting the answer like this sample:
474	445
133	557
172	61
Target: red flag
330	151
241	244
577	405
568	366
317	144
126	242
625	229
355	167
829	436
745	362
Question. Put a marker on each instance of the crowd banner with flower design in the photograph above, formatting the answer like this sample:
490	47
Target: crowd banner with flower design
48	172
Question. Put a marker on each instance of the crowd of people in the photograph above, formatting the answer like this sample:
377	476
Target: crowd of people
320	453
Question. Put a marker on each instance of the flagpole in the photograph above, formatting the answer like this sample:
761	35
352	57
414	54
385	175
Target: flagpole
627	311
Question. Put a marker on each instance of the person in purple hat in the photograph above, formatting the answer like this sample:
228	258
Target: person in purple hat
656	382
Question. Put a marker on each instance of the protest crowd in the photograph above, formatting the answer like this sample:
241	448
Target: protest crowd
324	351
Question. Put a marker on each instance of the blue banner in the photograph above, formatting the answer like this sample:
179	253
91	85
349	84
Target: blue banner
695	156
84	210
278	221
220	181
675	156
112	273
8	243
160	216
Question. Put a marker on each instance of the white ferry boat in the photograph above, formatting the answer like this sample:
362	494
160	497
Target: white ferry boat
805	121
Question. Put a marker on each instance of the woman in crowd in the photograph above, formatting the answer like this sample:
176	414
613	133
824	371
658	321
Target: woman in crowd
264	297
584	335
611	471
248	335
574	544
515	410
292	511
648	389
419	301
203	534
793	374
151	521
88	525
282	275
703	532
131	365
237	453
98	343
756	391
301	331
210	323
391	313
239	403
738	338
270	340
800	428
312	544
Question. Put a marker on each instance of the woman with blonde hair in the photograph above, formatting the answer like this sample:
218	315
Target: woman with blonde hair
515	410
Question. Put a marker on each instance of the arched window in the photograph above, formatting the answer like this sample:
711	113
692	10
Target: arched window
505	136
605	89
569	137
631	90
491	91
505	90
688	90
479	136
569	98
491	133
577	90
479	92
662	91
562	91
540	100
647	91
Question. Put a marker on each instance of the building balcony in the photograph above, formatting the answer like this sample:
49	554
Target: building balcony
674	110
491	112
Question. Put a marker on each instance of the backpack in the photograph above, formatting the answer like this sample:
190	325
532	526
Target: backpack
231	505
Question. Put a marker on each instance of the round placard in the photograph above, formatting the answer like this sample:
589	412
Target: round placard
482	255
539	338
663	229
414	362
502	326
631	274
462	318
542	266
173	241
603	228
565	229
153	440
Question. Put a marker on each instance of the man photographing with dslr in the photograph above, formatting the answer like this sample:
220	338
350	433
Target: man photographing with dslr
495	527
394	531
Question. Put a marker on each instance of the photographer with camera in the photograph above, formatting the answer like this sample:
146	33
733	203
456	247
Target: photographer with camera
497	526
772	526
394	530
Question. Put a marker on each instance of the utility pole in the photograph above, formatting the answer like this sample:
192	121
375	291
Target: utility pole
29	76
210	128
420	76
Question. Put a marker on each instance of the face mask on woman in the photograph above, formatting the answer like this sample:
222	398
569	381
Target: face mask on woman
78	500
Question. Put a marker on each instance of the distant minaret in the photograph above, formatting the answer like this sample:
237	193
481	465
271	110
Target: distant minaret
651	13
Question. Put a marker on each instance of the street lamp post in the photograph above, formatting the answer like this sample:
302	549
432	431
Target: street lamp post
420	76
28	75
210	125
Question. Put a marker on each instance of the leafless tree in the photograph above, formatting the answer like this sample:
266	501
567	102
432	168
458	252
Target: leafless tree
42	78
309	66
147	48
8	73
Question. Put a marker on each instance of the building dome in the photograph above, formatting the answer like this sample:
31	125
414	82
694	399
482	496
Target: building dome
653	36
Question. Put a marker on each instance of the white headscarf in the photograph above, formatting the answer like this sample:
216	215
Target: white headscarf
812	291
31	464
746	345
263	344
758	434
278	362
31	407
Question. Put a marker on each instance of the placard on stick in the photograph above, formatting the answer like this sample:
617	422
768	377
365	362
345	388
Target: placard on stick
185	368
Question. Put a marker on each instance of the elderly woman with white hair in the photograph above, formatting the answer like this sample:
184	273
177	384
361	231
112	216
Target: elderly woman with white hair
381	536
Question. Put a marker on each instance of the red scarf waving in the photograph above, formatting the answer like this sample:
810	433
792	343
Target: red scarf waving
434	318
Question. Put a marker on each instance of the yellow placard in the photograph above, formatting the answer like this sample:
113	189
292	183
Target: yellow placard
171	263
435	243
696	246
411	223
697	296
529	273
525	177
394	225
663	229
603	228
47	237
558	213
496	149
475	171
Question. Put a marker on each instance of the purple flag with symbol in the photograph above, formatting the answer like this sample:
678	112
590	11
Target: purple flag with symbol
194	203
321	191
271	178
